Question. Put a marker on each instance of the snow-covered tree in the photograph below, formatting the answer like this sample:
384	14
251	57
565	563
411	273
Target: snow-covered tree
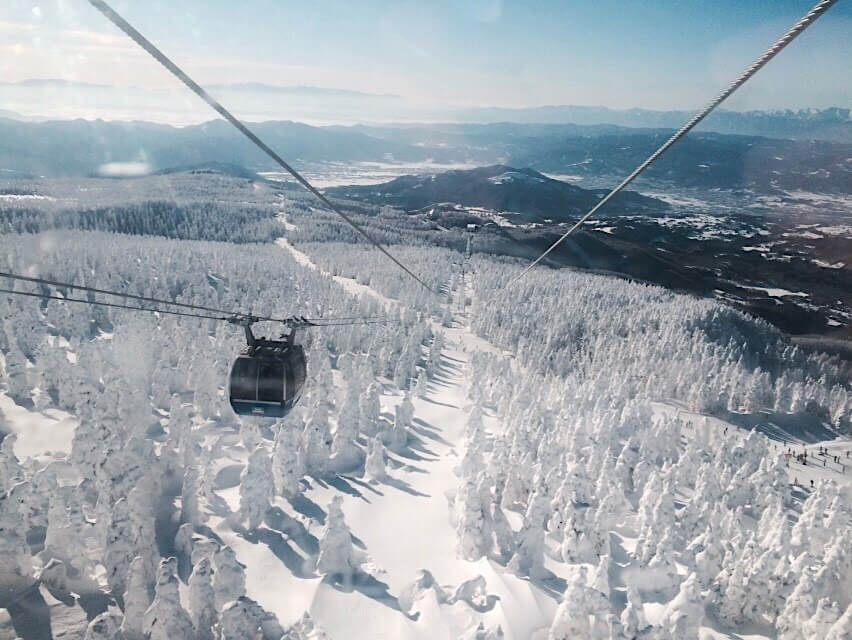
472	524
104	626
190	509
11	470
336	555
245	619
842	628
819	624
118	546
421	387
17	382
229	577
256	487
369	410
14	551
528	559
345	452
69	533
287	460
137	599
317	439
633	621
140	502
202	603
397	437
250	434
799	607
572	616
684	614
374	467
166	619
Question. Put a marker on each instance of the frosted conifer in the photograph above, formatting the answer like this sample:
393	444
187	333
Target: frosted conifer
104	626
256	487
166	619
374	467
229	577
572	617
137	599
336	555
287	460
202	601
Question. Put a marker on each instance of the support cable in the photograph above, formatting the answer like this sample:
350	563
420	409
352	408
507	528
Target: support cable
808	19
198	90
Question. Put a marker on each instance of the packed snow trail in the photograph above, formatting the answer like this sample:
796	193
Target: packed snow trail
347	283
403	525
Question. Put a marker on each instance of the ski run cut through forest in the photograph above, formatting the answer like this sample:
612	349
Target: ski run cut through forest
577	456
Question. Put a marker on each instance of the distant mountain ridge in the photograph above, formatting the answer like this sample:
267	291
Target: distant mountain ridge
585	152
334	104
302	90
833	123
55	82
500	188
78	147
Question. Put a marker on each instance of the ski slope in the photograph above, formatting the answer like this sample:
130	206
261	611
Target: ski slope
413	582
404	526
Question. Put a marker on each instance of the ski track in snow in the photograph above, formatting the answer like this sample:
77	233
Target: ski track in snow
348	284
413	507
404	526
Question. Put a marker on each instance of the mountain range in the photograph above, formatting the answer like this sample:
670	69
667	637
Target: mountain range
833	123
271	101
582	153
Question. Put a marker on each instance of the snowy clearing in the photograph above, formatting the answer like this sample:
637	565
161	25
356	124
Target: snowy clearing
38	433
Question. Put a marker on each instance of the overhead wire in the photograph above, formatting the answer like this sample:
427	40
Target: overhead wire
102	303
160	301
818	9
229	316
348	324
68	285
198	90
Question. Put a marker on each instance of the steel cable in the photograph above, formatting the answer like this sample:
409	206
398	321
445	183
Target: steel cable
818	9
198	90
160	301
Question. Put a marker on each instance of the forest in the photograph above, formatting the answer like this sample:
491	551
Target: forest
568	456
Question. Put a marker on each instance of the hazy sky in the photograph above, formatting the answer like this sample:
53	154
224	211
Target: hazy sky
671	54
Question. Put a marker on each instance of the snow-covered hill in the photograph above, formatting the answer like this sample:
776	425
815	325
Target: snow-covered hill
570	458
530	196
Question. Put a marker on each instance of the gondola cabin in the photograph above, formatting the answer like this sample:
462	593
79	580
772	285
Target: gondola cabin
267	379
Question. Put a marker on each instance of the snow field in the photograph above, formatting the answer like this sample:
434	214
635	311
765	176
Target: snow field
558	448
